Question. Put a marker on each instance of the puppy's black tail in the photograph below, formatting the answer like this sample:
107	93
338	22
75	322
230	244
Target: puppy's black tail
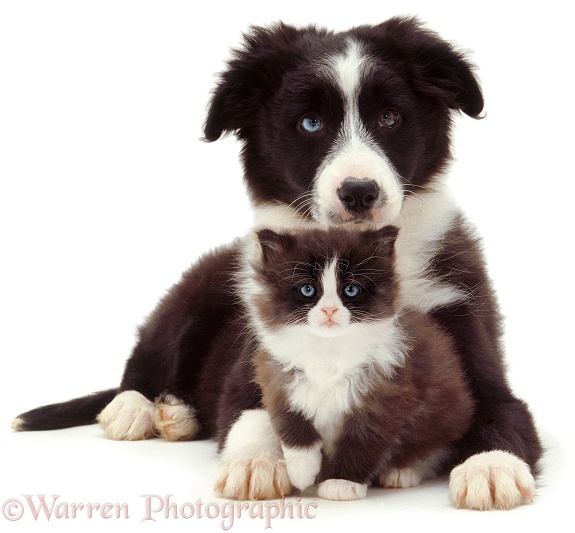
77	412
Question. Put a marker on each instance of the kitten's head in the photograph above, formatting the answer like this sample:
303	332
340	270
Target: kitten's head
326	280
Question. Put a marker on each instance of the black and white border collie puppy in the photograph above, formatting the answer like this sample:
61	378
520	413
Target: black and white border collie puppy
349	128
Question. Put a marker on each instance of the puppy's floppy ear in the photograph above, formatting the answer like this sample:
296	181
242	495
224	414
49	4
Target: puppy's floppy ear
252	75
434	67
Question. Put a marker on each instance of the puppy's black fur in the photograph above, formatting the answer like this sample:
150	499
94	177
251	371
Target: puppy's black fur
269	85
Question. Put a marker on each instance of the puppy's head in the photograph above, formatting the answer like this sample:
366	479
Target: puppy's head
342	126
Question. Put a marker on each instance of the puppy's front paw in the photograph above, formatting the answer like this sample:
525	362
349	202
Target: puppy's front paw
129	416
341	490
263	476
491	480
174	420
303	464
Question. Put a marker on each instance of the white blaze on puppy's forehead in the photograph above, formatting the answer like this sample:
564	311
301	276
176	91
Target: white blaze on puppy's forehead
348	69
354	152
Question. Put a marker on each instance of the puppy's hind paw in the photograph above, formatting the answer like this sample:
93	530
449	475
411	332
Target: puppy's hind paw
174	420
129	416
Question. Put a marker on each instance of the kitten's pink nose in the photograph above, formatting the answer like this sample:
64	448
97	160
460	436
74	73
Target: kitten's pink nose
329	311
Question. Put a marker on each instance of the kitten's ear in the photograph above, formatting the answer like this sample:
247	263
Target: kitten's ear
272	242
384	239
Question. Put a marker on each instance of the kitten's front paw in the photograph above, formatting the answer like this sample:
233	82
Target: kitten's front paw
303	464
129	416
341	490
174	420
491	480
400	478
261	477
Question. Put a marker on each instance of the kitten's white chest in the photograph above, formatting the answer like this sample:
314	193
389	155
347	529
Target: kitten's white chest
332	375
324	400
322	392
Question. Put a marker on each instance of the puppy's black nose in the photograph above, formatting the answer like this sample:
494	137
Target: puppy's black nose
358	195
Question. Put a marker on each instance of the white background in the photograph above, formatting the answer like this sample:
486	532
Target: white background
107	194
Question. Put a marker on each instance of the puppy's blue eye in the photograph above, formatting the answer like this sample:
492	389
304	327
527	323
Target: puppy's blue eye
307	291
311	124
351	291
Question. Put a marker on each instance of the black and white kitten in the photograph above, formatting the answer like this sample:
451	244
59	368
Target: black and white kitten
356	390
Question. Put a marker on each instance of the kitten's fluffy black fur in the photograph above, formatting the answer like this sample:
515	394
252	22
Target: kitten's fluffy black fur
406	85
406	411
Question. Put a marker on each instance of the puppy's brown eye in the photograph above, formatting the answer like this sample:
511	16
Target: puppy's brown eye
389	119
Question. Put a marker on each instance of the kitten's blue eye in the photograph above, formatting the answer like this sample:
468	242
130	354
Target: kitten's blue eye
307	291
351	291
311	124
